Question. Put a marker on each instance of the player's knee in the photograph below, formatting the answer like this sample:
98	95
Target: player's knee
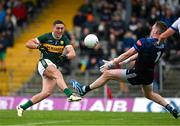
57	75
54	75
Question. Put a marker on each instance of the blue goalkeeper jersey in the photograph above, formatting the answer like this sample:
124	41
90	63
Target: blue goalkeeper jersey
149	54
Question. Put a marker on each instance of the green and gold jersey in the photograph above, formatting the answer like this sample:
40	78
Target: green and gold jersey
54	45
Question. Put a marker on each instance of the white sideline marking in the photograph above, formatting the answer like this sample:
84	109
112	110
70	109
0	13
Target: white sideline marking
38	123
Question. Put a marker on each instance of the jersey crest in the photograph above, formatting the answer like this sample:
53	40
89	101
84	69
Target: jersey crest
62	42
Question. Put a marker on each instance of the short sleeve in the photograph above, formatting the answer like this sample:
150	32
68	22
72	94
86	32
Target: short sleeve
42	38
176	25
138	45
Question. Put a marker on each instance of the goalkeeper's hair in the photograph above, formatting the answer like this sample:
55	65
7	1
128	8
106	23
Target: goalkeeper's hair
58	22
161	26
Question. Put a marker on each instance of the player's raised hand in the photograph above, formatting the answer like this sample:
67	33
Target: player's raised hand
107	65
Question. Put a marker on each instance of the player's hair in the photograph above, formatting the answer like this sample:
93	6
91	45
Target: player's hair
58	22
161	26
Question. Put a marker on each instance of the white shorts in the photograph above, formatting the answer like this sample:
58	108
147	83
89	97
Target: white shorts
123	74
43	64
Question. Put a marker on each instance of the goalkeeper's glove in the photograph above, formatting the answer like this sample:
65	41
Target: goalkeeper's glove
42	48
107	65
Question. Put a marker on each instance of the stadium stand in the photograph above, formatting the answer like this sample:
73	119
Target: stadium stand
21	62
19	67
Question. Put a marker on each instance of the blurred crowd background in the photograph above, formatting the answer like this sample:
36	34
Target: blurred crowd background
14	17
118	27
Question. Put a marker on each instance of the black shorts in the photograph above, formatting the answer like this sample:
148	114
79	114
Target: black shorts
139	79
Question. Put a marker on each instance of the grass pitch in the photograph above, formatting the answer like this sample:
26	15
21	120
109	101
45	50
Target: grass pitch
80	118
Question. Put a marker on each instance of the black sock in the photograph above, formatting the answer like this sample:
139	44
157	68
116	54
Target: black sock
87	89
169	107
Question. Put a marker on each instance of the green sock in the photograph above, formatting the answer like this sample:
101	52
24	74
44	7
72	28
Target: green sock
68	92
26	105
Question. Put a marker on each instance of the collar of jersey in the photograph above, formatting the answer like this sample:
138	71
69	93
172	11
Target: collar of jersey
55	36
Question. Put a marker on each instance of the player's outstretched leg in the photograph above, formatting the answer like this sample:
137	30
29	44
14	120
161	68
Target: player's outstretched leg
73	98
78	87
19	111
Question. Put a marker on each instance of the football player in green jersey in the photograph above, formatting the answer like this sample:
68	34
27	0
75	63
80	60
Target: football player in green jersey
55	49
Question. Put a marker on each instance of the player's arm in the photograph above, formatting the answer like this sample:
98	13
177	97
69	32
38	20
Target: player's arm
33	43
134	57
127	61
126	57
169	32
131	58
69	52
117	62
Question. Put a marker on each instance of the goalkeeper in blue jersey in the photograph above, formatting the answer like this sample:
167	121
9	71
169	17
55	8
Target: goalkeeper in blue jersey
145	54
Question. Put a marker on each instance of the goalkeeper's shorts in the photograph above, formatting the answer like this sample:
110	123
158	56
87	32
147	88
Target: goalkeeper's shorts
139	79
